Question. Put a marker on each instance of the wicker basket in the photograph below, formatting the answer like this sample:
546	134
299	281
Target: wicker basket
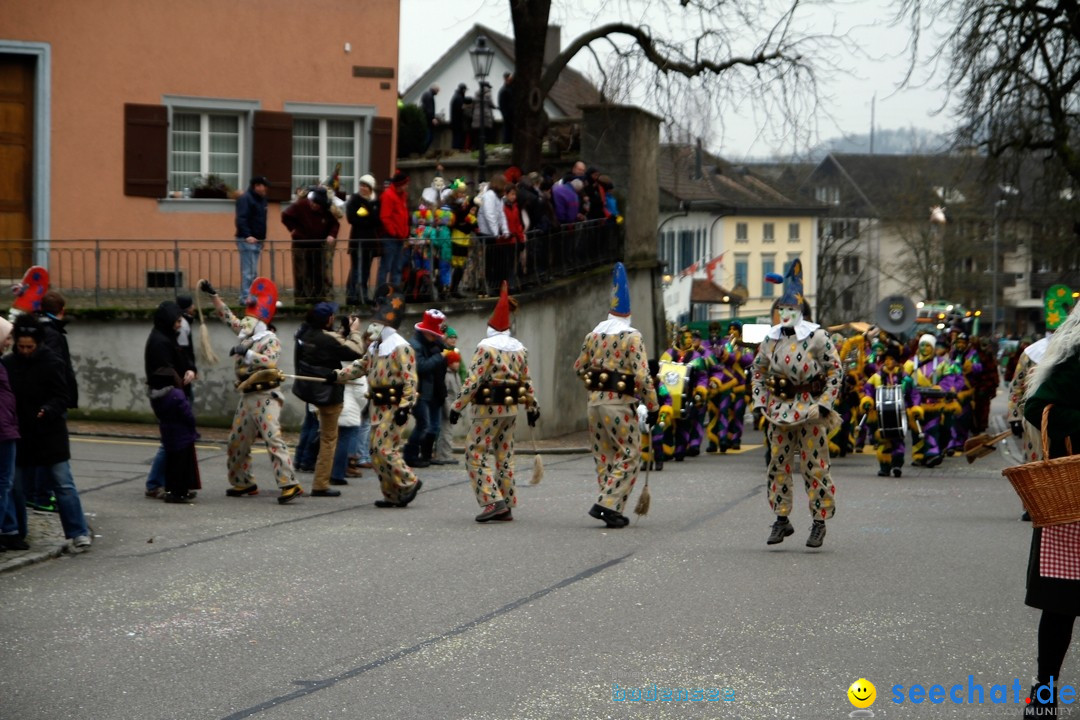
1049	489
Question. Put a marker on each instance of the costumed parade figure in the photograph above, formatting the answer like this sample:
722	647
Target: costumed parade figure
931	409
615	370
796	381
659	441
969	366
842	439
497	384
888	391
390	365
683	370
1028	433
258	414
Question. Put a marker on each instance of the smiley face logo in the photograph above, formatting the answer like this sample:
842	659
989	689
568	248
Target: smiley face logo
862	693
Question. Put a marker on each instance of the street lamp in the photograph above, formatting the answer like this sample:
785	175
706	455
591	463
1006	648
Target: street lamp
994	284
481	56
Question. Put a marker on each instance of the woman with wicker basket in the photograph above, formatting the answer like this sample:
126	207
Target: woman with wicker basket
1053	579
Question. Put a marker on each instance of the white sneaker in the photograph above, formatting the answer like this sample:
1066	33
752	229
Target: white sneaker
82	541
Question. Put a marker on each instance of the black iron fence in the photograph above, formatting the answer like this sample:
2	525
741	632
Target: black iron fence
141	273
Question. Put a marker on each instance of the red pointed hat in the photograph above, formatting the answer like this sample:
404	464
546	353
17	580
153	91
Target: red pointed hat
434	322
28	293
500	318
262	300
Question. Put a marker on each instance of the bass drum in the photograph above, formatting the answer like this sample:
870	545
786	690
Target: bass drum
892	415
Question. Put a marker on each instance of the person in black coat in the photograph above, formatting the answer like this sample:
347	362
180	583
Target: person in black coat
39	380
458	122
362	212
319	353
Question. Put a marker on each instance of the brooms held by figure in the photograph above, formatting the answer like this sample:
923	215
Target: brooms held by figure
982	445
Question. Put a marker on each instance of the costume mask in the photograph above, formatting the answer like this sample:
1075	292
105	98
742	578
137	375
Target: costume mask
926	351
789	316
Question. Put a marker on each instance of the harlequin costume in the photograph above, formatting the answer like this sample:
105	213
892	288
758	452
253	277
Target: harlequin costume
796	381
614	367
966	360
390	366
258	414
932	408
692	395
890	450
740	359
497	385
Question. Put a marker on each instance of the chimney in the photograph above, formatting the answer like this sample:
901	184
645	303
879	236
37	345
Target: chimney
553	43
698	161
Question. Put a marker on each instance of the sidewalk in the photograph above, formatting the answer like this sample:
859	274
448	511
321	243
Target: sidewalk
46	536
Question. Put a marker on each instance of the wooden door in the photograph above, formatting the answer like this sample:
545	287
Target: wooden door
16	163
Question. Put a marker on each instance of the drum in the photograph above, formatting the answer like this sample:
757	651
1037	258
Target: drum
676	378
892	415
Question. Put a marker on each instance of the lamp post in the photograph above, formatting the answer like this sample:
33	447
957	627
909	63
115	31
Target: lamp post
481	56
994	268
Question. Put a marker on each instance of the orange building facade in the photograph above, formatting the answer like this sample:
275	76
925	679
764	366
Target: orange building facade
114	112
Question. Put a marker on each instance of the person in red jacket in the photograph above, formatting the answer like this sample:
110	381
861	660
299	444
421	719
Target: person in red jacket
513	252
394	214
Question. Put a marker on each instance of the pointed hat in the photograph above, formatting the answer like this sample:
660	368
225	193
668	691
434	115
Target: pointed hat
793	287
262	299
500	317
620	291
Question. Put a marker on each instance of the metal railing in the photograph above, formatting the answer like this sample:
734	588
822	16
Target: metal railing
142	273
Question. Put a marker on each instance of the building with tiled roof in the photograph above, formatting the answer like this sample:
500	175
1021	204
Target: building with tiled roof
713	210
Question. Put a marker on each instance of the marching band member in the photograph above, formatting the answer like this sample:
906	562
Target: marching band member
615	369
890	449
796	381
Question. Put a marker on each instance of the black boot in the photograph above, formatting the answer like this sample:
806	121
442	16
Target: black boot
1038	709
780	530
427	446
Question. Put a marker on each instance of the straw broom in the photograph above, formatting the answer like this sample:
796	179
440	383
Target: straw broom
538	464
206	349
645	499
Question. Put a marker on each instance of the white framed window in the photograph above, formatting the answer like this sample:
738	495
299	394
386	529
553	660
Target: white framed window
329	139
793	232
742	269
827	194
208	136
768	265
768	232
742	232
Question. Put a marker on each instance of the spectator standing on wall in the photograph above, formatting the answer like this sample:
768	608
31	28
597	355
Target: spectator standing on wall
492	224
362	212
394	216
314	230
506	107
251	230
427	104
458	125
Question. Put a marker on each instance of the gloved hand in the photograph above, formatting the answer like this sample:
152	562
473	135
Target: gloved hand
532	415
207	288
454	417
401	416
332	378
238	350
1017	428
866	404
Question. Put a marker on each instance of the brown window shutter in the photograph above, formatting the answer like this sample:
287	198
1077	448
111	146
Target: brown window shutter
271	152
382	148
146	150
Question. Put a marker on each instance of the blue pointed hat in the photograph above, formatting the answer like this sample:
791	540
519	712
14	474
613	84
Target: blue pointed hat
620	291
793	288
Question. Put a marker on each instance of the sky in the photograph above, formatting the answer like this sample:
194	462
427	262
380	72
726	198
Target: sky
429	27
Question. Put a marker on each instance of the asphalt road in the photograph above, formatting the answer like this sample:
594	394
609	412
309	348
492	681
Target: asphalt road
331	608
